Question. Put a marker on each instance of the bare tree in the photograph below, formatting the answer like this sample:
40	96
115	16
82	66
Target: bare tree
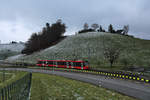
95	26
112	50
59	21
125	29
85	26
111	54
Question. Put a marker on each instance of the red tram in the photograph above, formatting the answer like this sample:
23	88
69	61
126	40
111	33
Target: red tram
63	64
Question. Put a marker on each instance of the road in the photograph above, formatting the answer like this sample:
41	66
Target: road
138	90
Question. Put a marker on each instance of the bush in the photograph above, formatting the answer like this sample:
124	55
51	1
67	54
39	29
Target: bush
86	30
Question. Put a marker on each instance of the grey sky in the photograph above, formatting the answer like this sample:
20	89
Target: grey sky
20	18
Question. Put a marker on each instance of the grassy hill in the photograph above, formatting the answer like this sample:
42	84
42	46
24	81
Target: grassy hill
7	50
90	46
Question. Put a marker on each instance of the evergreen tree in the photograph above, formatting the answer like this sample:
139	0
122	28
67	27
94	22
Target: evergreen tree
125	29
101	29
110	29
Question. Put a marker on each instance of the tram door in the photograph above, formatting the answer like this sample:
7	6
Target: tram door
46	62
42	63
81	65
67	63
56	64
71	63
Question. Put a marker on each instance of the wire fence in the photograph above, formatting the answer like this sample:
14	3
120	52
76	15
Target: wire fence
18	90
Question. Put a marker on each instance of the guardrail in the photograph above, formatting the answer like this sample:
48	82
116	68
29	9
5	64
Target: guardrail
18	90
120	75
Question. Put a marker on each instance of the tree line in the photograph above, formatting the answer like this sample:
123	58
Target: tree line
49	36
52	34
98	28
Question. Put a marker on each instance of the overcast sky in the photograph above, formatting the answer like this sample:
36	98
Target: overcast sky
20	18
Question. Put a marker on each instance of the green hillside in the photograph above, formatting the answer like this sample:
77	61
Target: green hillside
7	53
90	46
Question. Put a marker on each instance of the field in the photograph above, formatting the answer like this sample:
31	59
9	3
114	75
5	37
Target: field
90	46
10	76
50	87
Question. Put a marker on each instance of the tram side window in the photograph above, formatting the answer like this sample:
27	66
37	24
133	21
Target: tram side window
42	62
86	63
45	62
69	63
74	63
77	64
64	63
54	62
61	63
50	62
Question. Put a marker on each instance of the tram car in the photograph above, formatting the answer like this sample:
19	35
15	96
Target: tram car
63	64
